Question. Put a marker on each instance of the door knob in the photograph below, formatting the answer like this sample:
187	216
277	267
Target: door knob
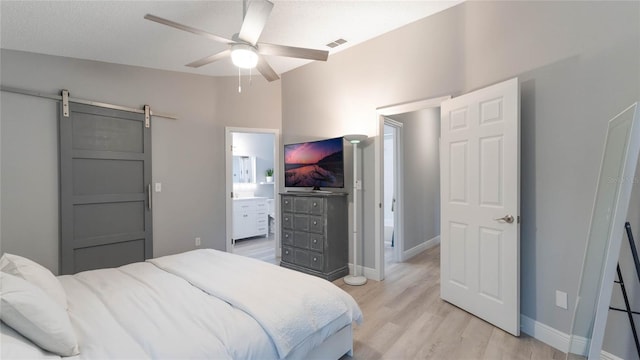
507	218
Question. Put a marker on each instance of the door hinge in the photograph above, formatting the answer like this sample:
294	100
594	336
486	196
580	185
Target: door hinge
65	103
147	116
232	194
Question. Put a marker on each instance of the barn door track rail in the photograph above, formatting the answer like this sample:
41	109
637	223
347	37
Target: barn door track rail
65	98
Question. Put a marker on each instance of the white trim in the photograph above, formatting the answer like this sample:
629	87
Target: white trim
398	179
609	356
368	272
378	271
408	254
378	213
558	339
545	333
412	106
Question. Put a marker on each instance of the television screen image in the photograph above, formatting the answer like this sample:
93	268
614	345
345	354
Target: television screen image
314	164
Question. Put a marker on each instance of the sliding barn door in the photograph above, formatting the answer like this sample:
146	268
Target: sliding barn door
105	194
480	184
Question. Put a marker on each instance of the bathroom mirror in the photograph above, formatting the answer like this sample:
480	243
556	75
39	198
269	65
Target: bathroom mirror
244	169
606	232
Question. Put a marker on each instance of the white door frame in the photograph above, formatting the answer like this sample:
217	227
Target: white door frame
398	192
228	135
378	272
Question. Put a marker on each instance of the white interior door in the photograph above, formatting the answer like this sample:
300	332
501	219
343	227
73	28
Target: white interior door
480	199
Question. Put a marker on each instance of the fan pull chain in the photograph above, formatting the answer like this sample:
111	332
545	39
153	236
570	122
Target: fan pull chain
239	82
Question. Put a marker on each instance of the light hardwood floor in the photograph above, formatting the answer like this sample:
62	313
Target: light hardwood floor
261	248
404	318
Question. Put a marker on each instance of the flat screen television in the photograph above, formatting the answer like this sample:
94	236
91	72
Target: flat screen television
315	164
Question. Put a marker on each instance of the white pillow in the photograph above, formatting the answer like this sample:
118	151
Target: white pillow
35	274
32	313
16	346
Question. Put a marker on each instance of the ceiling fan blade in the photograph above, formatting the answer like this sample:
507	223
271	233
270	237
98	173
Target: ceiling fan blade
210	59
290	51
254	20
190	29
266	70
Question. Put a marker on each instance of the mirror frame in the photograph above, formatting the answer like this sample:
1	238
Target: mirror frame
623	179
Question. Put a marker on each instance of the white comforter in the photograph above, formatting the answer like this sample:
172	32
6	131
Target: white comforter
289	305
203	304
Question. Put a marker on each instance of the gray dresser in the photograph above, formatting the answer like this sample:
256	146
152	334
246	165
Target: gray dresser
315	237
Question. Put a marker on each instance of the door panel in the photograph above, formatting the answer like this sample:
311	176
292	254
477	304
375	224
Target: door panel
105	174
491	173
480	269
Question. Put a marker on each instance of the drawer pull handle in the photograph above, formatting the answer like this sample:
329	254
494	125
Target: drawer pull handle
286	201
315	223
315	241
286	252
286	235
315	204
315	259
286	219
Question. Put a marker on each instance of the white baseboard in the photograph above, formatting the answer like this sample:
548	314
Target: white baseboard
408	254
545	333
558	339
368	272
607	356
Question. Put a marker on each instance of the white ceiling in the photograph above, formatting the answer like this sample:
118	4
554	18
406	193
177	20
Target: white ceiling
115	31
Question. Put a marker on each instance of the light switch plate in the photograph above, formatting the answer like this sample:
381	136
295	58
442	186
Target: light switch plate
158	187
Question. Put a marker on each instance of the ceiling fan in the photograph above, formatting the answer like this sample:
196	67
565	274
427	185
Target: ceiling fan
245	50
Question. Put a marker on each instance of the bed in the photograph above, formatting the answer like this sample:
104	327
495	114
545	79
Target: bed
199	304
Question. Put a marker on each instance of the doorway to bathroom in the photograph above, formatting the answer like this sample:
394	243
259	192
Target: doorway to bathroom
251	172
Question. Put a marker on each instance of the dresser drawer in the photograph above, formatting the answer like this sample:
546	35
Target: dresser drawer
316	224
287	237
301	222
287	221
316	261
287	254
316	206
301	257
301	239
287	203
301	204
316	242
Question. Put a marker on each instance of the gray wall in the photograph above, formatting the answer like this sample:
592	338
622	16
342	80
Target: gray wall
188	153
578	65
421	186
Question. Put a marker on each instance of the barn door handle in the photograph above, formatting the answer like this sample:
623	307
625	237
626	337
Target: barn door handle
149	196
507	218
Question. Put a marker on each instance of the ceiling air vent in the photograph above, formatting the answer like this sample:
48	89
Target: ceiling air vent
336	43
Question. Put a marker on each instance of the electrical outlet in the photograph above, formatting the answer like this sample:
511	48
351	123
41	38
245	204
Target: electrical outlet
358	184
561	299
198	241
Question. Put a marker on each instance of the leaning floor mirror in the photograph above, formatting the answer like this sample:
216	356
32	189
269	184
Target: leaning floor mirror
606	232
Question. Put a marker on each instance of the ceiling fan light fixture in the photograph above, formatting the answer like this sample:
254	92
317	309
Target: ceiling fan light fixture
244	56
